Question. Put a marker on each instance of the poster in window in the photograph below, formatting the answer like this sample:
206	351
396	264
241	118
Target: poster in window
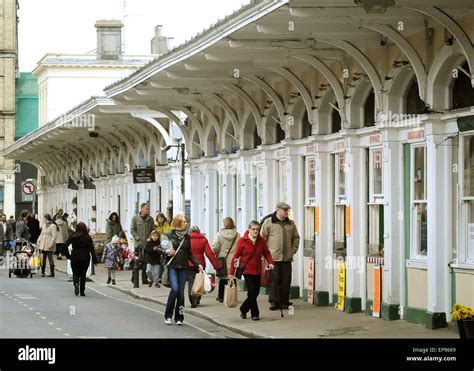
341	287
377	292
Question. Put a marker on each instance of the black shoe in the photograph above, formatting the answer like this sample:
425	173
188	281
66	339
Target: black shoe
284	306
59	258
157	285
83	294
43	275
76	289
150	284
289	303
255	318
275	307
193	305
108	281
145	283
113	282
243	315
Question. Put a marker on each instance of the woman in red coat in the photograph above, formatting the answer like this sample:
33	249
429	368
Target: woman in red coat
199	248
250	249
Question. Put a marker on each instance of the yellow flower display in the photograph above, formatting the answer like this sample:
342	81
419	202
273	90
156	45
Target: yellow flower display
462	312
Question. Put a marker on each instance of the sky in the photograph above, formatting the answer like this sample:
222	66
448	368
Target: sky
67	27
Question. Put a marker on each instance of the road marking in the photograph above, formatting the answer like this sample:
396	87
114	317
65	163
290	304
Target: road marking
43	317
57	328
26	297
66	334
25	305
50	323
30	308
20	302
153	310
38	313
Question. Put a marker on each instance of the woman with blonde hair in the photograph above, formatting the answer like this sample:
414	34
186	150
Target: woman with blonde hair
177	249
162	227
224	246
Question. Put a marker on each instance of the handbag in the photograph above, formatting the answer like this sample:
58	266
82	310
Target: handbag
198	285
165	277
230	294
222	271
239	271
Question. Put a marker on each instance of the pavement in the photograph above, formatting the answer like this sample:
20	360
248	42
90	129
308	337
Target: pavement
47	308
302	320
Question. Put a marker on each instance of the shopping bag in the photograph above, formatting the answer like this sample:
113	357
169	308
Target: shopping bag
35	262
209	283
198	286
230	294
165	277
265	275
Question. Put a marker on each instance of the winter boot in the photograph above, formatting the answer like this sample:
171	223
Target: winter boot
52	271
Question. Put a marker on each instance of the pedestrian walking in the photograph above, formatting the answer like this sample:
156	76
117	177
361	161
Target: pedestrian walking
82	250
199	248
47	243
61	236
21	228
153	254
113	226
163	228
224	246
178	254
4	234
12	224
142	225
111	258
282	239
33	225
250	249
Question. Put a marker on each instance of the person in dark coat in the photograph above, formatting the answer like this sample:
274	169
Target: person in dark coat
153	254
199	248
12	230
82	249
33	225
178	253
113	226
250	249
21	228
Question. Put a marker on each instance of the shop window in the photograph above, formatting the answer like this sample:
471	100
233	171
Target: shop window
340	230
419	203
466	253
376	241
340	179
259	192
375	173
283	181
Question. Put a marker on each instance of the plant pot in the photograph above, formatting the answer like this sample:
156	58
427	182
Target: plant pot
461	329
469	329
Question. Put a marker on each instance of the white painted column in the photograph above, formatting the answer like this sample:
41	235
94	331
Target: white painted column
270	183
356	183
197	188
295	187
325	239
439	175
211	200
393	216
248	192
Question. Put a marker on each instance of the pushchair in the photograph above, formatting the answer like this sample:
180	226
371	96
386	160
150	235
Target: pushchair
23	259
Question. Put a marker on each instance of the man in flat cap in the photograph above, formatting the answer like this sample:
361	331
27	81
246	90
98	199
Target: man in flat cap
283	240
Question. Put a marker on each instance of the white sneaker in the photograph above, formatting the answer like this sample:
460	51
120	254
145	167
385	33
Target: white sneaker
179	323
168	321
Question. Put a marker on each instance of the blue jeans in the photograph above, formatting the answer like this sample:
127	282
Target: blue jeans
177	278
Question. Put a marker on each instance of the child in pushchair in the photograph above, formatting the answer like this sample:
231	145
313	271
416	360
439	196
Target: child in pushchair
23	259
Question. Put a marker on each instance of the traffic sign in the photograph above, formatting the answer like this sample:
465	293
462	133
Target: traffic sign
28	188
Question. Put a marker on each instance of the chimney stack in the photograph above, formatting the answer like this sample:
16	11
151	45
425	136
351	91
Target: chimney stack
109	39
159	43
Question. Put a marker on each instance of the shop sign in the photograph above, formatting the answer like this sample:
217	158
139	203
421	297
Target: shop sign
374	139
145	175
341	287
310	280
348	221
377	291
416	134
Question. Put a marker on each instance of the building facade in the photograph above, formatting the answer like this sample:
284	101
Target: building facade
8	69
357	115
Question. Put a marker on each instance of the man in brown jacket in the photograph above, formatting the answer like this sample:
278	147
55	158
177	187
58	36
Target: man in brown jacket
283	240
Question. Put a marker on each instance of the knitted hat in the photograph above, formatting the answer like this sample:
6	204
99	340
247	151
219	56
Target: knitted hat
115	239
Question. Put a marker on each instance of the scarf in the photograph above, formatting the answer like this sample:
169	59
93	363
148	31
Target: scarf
253	239
180	234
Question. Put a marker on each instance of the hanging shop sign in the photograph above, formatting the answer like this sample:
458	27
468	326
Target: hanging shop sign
348	221
341	287
377	291
145	175
316	220
310	280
